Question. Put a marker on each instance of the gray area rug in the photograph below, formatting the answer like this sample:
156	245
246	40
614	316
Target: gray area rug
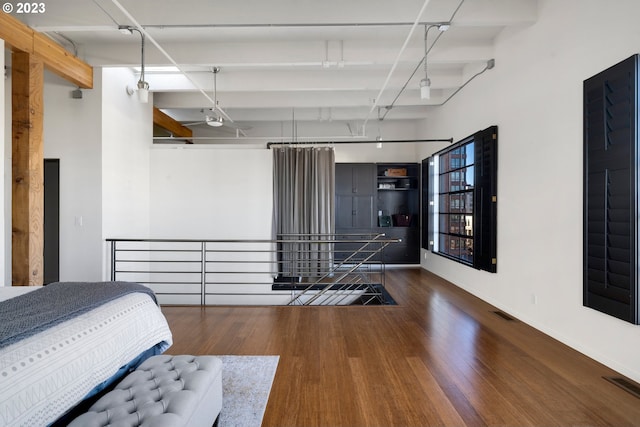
246	383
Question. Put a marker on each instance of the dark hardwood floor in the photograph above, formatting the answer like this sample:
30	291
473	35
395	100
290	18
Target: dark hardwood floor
440	357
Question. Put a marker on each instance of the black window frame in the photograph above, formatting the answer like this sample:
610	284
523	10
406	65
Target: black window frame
455	222
477	244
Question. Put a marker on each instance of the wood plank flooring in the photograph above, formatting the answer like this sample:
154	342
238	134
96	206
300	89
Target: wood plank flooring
441	357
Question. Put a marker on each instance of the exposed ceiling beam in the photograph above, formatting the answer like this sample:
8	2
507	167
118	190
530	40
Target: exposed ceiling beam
281	54
276	99
166	122
258	13
20	38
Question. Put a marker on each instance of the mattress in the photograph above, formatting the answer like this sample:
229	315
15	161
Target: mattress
45	375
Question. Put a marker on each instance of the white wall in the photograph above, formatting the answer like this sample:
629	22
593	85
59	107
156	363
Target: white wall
127	130
225	192
534	95
208	193
202	192
369	153
72	133
389	152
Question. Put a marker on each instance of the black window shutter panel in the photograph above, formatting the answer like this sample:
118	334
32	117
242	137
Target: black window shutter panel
485	199
425	201
611	191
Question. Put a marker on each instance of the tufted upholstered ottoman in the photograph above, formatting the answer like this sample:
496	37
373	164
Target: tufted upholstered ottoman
164	391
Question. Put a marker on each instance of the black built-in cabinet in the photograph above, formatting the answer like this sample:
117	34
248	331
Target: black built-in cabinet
379	198
355	196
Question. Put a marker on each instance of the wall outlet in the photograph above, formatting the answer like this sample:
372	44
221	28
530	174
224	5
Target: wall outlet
534	299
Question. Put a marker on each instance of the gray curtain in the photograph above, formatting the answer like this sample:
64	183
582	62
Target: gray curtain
304	194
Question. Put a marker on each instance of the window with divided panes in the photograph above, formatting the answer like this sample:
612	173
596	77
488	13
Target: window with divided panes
460	203
455	216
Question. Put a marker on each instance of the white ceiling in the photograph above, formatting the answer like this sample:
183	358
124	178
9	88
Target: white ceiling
286	60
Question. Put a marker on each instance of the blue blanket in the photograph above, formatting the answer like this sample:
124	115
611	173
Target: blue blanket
33	312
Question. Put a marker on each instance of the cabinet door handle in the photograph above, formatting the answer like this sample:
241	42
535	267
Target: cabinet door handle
354	212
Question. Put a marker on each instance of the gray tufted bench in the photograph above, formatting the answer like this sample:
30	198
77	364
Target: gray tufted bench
165	391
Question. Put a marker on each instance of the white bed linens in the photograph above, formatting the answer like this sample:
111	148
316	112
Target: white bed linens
8	292
43	376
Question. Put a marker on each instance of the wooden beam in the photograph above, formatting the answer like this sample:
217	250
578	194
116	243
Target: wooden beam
27	80
176	128
20	38
15	34
61	62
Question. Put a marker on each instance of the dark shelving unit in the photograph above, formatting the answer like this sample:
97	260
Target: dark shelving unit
381	198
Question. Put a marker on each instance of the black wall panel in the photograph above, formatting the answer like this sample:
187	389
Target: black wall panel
611	191
485	199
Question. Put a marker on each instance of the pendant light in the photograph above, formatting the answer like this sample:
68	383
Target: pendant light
142	86
216	119
425	84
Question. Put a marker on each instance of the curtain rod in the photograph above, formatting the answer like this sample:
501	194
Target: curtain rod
385	141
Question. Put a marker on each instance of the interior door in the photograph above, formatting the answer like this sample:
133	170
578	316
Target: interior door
51	220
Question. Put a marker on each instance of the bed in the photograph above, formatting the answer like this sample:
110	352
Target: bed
64	343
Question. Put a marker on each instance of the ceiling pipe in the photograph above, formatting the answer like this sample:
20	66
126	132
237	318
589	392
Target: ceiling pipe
415	70
376	141
295	25
343	139
329	141
393	67
166	54
440	26
283	139
489	65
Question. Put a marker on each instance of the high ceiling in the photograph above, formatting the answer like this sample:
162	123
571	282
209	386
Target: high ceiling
341	63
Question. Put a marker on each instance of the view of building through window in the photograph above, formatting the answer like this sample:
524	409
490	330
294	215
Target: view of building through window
455	202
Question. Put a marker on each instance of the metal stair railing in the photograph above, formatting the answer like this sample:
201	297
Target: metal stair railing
320	288
343	269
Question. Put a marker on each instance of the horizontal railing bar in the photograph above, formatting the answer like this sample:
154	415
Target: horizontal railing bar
177	293
332	234
243	240
159	260
282	251
153	282
270	273
159	250
241	261
225	262
214	284
239	283
278	293
158	272
395	240
269	251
